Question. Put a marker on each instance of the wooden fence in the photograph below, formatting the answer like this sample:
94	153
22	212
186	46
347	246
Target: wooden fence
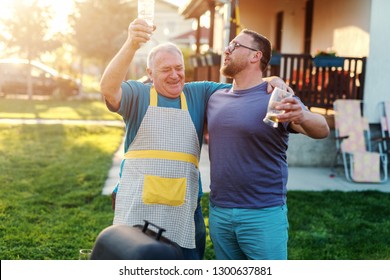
321	80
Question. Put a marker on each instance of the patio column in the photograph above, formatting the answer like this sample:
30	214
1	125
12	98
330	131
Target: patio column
378	62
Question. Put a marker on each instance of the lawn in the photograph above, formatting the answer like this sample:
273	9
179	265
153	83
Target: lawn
51	182
51	178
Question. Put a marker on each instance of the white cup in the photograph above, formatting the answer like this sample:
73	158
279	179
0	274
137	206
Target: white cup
85	254
146	10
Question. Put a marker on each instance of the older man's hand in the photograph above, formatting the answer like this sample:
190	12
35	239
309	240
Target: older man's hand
139	32
274	82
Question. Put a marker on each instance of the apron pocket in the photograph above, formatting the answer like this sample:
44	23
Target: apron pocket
167	191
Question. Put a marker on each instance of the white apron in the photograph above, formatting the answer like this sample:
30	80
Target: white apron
160	174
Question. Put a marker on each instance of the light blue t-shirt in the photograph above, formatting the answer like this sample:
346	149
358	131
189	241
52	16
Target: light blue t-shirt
136	99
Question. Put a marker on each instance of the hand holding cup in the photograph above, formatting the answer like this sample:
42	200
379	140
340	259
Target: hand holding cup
273	112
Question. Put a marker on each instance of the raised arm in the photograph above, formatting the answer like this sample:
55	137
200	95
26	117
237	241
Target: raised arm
110	84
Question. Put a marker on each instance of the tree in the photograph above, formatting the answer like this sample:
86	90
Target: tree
100	27
26	31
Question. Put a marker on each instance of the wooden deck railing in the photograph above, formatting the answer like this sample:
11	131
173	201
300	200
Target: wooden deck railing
317	83
320	81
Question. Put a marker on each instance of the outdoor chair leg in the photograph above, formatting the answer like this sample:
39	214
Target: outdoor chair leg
335	163
337	156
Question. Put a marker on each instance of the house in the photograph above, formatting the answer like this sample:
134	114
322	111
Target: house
188	39
352	28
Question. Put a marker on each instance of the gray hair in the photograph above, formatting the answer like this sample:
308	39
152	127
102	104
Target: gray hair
166	47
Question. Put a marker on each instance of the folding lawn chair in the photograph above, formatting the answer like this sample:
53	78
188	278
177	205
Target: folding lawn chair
353	143
385	125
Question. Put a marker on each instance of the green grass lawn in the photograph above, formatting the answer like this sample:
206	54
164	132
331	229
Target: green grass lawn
51	179
51	182
338	225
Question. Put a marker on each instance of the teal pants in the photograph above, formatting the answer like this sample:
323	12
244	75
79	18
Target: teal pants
241	234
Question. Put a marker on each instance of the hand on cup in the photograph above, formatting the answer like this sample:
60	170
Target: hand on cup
272	113
139	32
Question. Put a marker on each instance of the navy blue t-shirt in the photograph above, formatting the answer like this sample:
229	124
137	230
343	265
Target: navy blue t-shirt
248	158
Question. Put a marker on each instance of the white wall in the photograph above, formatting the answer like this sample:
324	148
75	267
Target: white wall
293	25
342	26
339	25
378	63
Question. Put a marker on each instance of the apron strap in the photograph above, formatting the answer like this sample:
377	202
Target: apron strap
153	99
161	154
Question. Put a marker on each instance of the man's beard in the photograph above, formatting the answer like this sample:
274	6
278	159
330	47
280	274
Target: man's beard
232	69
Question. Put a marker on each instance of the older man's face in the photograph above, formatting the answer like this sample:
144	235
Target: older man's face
167	73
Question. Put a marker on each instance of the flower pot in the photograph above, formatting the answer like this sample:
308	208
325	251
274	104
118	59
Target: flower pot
328	61
275	59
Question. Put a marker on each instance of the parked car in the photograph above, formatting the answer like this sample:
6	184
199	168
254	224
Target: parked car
45	80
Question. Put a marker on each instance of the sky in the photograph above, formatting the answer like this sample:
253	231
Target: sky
61	9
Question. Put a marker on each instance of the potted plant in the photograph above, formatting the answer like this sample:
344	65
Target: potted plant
327	59
276	57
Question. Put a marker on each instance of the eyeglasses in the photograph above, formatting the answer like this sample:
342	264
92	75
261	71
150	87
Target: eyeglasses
233	45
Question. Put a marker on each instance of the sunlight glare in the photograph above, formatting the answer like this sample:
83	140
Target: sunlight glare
351	41
60	9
